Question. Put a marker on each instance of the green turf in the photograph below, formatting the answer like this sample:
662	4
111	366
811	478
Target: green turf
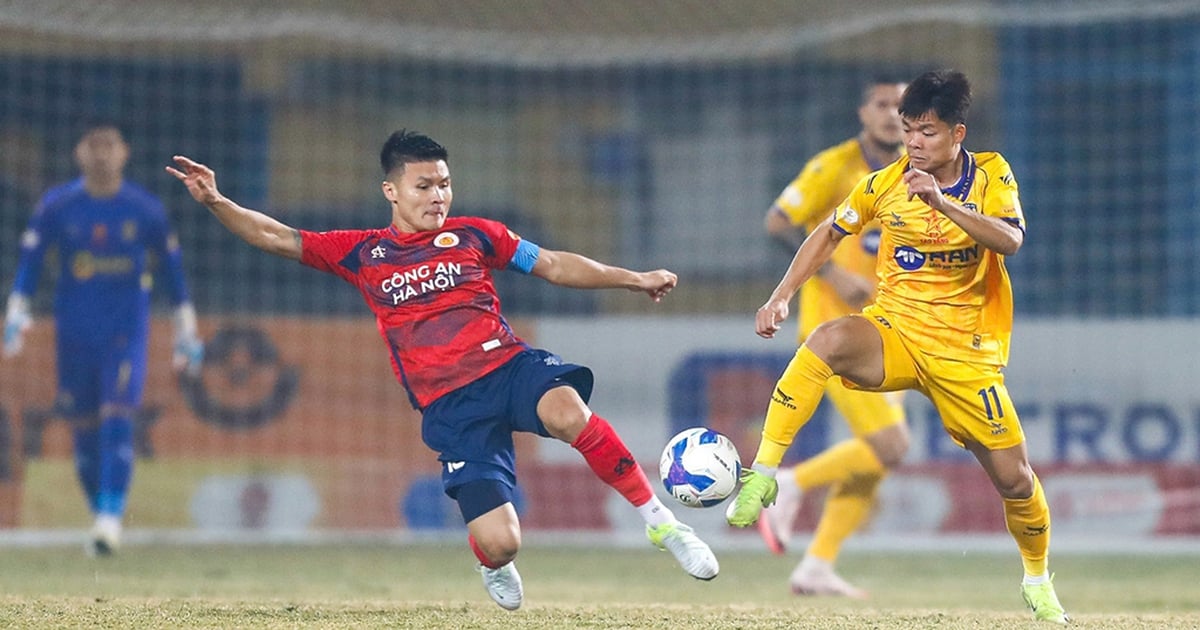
429	586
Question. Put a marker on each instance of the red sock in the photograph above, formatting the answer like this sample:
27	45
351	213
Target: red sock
611	461
483	559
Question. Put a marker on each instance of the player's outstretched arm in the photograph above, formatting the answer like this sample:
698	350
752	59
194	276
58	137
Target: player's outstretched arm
251	226
580	272
813	253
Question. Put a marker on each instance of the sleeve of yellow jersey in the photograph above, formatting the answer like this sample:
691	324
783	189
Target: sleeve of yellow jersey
859	207
1001	199
807	200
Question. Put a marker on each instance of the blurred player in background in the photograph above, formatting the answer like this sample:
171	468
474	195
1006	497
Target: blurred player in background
428	279
941	321
854	468
105	228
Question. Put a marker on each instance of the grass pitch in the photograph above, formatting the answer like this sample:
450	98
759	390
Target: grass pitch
433	586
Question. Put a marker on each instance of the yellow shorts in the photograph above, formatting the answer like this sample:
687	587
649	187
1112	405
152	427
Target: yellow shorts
970	397
865	412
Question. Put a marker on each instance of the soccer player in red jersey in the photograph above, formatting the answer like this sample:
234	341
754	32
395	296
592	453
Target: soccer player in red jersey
428	279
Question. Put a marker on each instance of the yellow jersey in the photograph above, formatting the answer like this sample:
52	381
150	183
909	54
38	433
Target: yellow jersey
809	199
943	291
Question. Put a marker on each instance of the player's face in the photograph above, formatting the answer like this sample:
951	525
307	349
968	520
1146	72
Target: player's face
102	152
880	114
931	142
420	196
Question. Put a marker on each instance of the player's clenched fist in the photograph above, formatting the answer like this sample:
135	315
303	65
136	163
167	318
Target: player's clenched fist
658	283
769	317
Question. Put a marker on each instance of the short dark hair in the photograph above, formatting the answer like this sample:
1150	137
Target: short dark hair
404	147
868	87
946	93
87	125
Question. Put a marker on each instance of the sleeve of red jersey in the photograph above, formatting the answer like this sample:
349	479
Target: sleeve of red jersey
326	251
509	250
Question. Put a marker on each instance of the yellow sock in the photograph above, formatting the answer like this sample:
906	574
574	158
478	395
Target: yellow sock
1029	523
846	508
838	464
793	402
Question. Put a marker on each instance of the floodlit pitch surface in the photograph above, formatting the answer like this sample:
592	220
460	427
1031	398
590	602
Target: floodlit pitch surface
434	586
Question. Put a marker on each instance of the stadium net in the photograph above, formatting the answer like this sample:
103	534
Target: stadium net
649	134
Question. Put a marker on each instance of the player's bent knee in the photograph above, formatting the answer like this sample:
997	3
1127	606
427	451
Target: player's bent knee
499	547
890	445
563	413
1016	488
841	343
1014	484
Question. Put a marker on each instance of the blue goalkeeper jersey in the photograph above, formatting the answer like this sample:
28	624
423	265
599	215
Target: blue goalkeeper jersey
104	283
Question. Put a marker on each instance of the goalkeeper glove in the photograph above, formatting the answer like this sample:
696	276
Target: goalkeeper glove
189	350
17	320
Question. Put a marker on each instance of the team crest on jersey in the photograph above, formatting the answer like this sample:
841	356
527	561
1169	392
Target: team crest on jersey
445	239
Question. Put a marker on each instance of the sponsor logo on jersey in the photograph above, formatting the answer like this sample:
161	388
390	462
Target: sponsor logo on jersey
420	280
445	239
85	265
909	258
896	221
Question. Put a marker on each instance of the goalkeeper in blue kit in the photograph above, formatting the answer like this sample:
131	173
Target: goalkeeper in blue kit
104	228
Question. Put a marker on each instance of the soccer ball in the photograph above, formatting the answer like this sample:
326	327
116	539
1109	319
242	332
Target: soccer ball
700	467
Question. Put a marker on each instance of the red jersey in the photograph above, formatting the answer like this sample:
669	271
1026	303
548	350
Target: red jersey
432	294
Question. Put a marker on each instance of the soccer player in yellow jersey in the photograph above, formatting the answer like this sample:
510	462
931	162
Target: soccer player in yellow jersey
852	469
941	320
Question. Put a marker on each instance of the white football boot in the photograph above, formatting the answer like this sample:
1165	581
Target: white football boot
814	576
105	536
692	553
504	585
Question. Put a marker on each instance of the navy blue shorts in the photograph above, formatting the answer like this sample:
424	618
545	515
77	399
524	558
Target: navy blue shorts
101	372
471	427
